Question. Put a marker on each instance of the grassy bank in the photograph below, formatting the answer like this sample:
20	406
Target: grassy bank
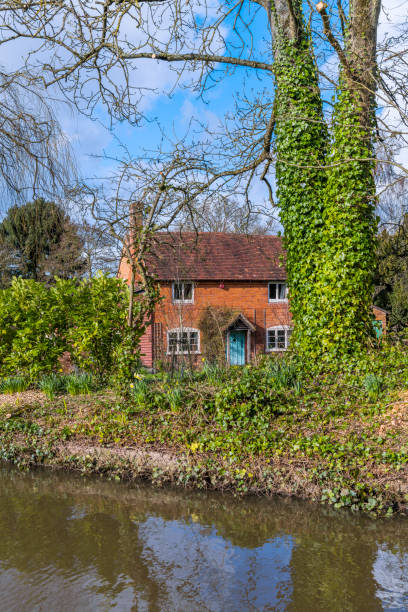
270	429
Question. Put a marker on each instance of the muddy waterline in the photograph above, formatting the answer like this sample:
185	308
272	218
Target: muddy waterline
76	544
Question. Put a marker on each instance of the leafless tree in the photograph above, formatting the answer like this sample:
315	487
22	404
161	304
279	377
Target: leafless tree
93	52
100	249
224	214
141	199
35	157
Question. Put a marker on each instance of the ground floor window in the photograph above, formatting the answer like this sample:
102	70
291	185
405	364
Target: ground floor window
277	338
183	341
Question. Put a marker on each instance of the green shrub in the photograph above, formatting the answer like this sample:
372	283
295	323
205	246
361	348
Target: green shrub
373	385
283	375
30	318
14	384
244	396
52	385
176	397
140	391
80	384
87	319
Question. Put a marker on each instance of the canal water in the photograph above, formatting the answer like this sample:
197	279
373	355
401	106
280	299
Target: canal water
69	543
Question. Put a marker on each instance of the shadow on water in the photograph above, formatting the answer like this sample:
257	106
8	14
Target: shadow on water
78	544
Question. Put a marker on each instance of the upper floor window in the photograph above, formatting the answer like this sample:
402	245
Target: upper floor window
183	293
277	292
183	341
277	338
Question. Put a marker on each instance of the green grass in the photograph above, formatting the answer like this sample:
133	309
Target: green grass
373	384
52	385
14	384
80	384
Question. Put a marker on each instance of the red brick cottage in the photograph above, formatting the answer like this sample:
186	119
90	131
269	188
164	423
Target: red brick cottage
242	274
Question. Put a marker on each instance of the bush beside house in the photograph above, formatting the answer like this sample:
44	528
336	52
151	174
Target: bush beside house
85	320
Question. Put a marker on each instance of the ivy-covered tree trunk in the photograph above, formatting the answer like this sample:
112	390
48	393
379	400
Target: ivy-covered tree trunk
327	193
348	247
300	146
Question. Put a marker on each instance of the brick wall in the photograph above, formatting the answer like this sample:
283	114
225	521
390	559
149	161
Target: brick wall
247	297
146	347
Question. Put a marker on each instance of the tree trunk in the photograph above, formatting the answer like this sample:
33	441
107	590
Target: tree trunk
131	295
300	145
348	248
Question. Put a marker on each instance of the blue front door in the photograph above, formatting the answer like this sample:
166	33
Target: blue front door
237	347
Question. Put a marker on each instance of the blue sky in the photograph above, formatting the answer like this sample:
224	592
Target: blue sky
173	112
91	139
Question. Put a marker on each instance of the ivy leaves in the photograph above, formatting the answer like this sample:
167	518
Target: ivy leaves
326	193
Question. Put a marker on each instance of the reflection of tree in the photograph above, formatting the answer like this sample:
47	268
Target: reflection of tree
331	567
168	544
43	525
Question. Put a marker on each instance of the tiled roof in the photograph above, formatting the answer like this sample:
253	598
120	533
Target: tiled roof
216	256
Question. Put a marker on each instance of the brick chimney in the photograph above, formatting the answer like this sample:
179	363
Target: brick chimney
136	216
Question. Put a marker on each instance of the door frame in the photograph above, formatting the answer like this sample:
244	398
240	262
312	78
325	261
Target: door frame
239	323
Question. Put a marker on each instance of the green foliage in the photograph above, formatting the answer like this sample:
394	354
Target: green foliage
74	384
283	374
80	384
345	284
373	384
39	241
176	398
52	385
258	430
253	394
126	358
326	193
32	323
139	392
213	373
14	384
87	319
300	143
392	275
97	324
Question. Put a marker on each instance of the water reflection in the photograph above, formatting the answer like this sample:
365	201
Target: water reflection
391	576
82	544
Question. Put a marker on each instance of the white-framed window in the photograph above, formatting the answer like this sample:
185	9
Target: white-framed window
183	341
183	292
278	338
277	291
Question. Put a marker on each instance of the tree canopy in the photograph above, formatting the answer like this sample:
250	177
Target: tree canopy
39	241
